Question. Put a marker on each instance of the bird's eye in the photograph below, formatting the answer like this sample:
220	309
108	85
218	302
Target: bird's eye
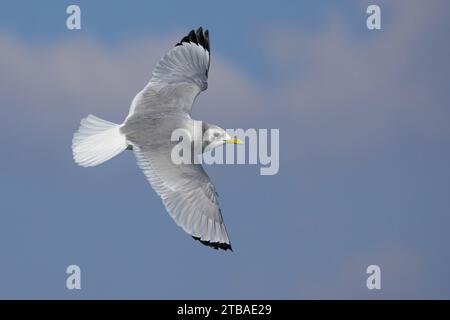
216	134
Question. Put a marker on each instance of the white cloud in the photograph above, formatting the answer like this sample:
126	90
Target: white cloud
81	76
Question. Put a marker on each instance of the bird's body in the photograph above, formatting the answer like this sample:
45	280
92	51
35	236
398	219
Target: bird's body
162	107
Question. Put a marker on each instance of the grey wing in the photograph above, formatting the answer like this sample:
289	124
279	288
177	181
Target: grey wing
187	193
178	77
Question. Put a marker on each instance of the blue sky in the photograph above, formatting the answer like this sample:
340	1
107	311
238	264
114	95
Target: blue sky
364	150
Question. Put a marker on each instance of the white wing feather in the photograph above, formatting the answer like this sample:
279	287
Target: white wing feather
188	195
177	79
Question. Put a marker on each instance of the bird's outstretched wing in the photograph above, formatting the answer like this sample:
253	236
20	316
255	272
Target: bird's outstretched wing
178	77
187	193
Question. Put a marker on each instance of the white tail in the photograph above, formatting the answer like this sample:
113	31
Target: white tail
97	141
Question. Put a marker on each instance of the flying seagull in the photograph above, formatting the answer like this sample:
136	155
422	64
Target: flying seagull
163	106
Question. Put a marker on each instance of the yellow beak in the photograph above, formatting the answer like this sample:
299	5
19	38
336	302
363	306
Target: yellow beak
234	141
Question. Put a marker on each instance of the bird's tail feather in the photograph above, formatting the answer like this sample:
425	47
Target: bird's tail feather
97	141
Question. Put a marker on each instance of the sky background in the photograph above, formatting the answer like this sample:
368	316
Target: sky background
364	151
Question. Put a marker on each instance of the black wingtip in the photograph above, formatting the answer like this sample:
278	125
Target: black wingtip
214	245
192	37
199	37
206	37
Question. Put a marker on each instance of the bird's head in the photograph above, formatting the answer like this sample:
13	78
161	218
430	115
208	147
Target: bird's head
214	136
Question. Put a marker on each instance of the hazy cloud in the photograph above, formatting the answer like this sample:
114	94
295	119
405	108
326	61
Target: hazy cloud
350	91
334	91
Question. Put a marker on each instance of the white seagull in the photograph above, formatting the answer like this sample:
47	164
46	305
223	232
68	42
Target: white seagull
163	106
